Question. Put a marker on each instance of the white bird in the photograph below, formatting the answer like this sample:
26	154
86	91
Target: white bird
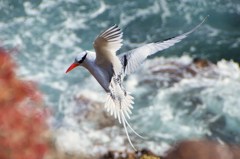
109	69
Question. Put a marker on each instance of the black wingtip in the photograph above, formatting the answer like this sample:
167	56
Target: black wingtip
116	26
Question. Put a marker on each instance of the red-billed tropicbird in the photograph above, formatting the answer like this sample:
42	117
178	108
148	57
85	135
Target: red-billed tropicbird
109	69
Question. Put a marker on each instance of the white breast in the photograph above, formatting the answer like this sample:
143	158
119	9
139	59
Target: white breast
102	74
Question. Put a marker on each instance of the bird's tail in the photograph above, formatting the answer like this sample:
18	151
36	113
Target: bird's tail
119	103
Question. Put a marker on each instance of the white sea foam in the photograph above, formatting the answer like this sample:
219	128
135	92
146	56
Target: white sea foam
30	10
126	18
166	11
46	4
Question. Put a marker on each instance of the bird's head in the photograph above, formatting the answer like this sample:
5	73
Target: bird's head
78	61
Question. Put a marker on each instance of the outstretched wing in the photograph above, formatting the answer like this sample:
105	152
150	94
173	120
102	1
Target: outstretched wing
133	58
106	45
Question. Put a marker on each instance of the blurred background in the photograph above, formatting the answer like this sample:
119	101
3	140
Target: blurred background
188	91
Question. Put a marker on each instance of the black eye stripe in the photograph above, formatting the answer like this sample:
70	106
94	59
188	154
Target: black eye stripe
83	58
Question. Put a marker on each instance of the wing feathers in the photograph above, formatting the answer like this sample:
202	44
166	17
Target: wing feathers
137	56
111	33
106	45
111	30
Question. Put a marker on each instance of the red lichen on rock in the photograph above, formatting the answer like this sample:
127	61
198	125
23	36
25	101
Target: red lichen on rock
23	125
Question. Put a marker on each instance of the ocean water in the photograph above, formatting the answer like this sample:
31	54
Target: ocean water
169	106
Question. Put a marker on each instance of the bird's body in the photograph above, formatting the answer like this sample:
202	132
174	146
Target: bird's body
109	69
102	73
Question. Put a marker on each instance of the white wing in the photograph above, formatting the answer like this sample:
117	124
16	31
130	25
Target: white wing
106	45
133	58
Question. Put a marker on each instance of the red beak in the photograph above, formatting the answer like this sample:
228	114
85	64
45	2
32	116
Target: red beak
72	67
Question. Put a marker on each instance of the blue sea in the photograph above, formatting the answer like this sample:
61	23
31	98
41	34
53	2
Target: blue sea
174	99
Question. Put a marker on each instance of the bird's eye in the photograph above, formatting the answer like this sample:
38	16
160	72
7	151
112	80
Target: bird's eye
81	60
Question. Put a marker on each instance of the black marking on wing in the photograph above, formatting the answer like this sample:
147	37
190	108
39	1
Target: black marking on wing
166	39
125	62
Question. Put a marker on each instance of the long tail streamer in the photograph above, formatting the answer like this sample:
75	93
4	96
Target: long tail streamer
119	104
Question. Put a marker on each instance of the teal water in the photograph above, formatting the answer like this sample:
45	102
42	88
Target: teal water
48	34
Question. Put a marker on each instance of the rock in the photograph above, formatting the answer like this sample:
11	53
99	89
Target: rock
201	63
169	72
94	111
143	154
203	149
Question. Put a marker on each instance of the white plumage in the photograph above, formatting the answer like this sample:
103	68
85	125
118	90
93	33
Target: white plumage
110	69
